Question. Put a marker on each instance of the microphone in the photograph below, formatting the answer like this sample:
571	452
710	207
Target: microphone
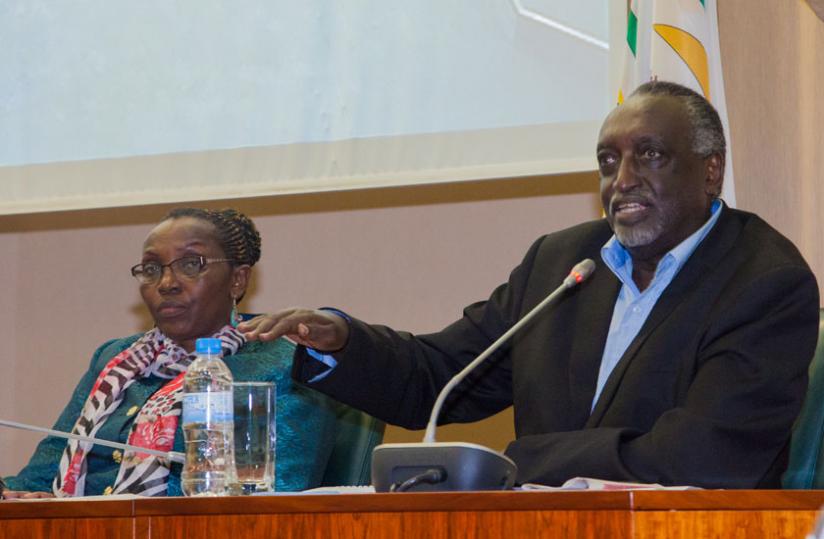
173	456
450	466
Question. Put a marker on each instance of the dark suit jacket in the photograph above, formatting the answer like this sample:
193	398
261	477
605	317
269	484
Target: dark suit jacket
705	395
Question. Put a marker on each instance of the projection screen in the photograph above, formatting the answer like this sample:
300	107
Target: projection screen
112	103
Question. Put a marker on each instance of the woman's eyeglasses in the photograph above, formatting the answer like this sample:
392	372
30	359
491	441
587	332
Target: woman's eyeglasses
188	266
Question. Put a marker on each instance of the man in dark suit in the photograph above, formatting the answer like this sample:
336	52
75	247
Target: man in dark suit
681	361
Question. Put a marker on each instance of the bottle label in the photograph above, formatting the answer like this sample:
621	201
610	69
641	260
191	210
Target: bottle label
208	407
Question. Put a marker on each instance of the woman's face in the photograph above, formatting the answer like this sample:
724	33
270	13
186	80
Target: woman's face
187	308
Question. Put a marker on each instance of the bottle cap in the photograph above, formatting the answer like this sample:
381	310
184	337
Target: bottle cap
208	346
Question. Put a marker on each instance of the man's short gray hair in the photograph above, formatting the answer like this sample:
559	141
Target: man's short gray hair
707	130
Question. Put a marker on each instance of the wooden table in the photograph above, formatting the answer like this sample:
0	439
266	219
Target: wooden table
670	514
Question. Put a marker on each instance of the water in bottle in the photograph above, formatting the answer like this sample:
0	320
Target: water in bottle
209	469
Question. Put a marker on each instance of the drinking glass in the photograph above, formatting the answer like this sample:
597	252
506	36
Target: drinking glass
255	436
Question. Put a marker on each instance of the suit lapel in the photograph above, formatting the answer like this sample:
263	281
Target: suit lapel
705	257
598	298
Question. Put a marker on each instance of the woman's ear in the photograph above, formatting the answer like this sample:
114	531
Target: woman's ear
240	280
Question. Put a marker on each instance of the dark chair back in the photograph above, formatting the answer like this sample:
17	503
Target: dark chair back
806	466
351	460
350	463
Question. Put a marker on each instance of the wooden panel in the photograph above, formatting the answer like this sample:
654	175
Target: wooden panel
689	514
66	508
143	528
63	528
747	500
725	513
483	524
726	524
414	502
473	514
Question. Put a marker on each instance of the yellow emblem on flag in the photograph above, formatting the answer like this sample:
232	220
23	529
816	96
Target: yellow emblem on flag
690	49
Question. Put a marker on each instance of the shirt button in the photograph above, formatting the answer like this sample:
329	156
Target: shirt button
107	491
117	456
636	309
132	411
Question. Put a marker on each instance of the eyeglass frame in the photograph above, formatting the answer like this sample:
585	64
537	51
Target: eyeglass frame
204	261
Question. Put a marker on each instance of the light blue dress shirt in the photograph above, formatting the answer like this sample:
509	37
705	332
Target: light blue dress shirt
326	359
633	306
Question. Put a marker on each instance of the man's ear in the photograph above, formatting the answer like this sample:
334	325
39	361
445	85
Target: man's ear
714	167
240	280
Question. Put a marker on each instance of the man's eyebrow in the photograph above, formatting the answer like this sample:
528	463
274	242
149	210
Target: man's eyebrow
647	139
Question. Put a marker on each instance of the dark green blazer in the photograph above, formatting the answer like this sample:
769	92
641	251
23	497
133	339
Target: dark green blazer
306	423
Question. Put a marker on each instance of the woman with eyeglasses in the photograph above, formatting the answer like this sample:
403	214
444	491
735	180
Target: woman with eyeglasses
195	268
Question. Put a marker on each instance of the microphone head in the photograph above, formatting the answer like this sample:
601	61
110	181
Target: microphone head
580	272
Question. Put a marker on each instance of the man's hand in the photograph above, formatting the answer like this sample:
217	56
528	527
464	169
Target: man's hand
324	331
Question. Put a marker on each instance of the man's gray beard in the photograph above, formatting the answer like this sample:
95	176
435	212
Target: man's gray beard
638	235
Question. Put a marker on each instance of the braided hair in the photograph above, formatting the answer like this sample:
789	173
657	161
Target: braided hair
236	233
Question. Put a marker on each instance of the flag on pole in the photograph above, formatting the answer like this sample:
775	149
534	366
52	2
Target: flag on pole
677	40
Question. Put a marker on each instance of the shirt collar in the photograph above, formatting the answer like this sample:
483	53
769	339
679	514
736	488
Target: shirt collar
619	261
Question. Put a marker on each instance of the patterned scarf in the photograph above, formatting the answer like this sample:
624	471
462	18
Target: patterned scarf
153	354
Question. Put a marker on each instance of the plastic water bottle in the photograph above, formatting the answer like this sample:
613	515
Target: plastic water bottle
208	423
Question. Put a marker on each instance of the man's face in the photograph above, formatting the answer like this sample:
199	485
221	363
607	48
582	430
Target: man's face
655	190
